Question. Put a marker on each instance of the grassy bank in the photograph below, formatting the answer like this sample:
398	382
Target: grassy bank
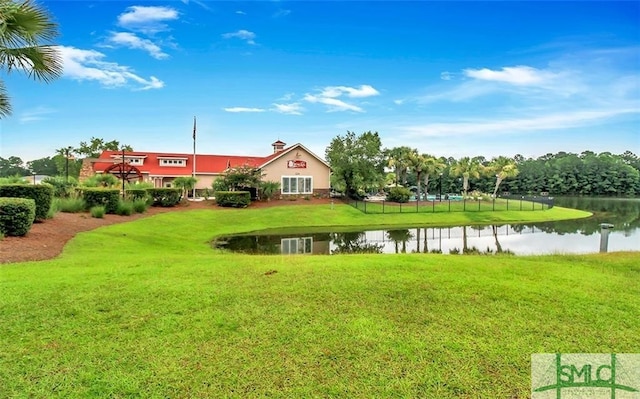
146	309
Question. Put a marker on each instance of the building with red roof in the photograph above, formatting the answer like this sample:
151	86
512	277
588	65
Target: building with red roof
296	168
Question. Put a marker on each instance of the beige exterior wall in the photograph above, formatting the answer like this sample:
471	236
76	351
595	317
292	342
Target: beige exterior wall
204	181
315	169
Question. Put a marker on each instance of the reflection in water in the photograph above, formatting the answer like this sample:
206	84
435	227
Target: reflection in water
353	243
572	236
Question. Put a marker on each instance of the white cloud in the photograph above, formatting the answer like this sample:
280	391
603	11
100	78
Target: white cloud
330	96
35	114
333	103
200	3
518	75
398	102
130	40
89	65
241	12
552	121
147	19
244	109
289	109
446	75
242	35
281	13
287	97
353	92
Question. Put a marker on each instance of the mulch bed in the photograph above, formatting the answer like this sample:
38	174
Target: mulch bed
45	240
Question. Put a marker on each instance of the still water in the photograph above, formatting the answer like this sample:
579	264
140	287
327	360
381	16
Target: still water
573	236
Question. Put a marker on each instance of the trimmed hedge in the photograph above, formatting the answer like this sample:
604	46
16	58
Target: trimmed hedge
107	197
233	199
165	196
16	215
136	193
42	194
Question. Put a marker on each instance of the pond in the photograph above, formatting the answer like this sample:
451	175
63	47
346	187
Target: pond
563	237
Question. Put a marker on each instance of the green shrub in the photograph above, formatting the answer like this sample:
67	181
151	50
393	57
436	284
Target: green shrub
139	185
70	205
399	194
107	197
164	196
125	208
233	199
42	195
61	188
101	180
136	193
97	211
140	206
17	179
269	189
52	211
16	215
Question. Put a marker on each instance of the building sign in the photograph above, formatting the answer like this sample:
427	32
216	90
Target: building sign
296	164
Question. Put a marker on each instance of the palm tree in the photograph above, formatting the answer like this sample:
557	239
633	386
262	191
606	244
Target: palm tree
466	167
433	167
418	163
185	183
503	168
24	27
398	159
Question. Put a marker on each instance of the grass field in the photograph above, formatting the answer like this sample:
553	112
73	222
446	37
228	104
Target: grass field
148	310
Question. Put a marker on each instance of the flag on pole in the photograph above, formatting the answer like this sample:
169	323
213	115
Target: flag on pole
194	127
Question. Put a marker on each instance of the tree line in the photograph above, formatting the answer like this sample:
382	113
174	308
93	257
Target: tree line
67	160
360	165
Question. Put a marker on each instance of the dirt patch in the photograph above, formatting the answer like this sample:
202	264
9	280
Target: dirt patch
45	240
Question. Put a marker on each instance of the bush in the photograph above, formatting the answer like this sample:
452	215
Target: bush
140	206
233	199
69	205
399	194
164	196
107	197
61	188
101	180
17	179
136	193
97	211
125	208
269	189
16	216
52	211
42	195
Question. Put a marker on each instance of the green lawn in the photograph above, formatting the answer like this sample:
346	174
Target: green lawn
148	310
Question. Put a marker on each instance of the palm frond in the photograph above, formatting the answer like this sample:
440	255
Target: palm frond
40	62
5	104
24	24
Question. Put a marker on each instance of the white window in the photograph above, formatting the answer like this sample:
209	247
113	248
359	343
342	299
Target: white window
292	246
172	162
135	161
297	185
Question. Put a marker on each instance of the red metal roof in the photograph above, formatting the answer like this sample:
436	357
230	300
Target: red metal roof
205	164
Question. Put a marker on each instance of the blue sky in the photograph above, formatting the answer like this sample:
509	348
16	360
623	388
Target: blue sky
448	78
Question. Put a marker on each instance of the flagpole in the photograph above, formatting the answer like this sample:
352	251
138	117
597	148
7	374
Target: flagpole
194	156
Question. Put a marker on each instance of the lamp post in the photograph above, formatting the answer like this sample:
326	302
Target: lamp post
122	174
66	164
440	187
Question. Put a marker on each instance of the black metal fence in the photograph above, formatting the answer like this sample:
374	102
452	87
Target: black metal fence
509	203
